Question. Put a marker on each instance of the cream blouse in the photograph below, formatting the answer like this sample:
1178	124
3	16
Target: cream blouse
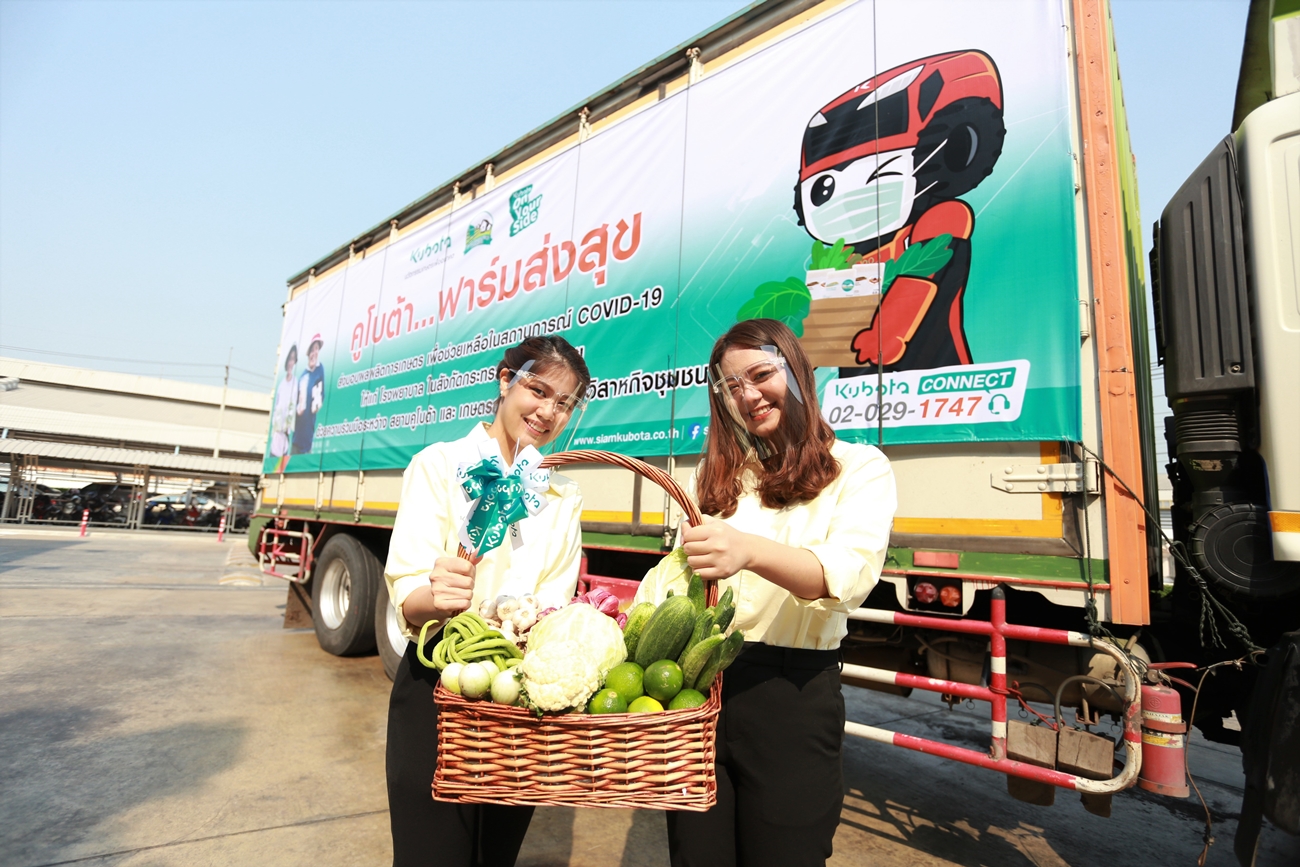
432	510
846	526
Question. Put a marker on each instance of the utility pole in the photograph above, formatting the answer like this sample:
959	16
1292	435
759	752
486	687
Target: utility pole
221	414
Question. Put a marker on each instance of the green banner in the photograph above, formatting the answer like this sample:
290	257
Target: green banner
910	214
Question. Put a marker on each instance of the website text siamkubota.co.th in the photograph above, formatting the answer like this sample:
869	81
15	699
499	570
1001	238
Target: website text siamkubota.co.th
630	437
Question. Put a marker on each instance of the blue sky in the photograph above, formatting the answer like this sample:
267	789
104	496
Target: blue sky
165	166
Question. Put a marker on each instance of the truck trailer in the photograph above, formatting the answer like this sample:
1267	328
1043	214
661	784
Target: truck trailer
947	217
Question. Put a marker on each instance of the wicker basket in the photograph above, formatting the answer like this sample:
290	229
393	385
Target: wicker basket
494	754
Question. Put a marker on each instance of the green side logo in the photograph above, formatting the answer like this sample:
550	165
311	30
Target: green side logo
524	209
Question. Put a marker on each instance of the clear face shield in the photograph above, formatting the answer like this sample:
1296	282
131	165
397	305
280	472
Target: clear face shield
564	406
754	386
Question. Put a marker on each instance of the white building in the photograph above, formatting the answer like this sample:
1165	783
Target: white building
67	424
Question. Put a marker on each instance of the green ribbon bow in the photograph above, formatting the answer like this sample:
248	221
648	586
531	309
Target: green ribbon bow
500	503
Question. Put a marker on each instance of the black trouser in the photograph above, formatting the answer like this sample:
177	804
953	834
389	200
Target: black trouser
780	777
425	831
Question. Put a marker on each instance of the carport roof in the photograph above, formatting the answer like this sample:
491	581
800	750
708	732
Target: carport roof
89	455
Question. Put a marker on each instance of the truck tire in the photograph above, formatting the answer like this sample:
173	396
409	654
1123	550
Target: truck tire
388	634
343	588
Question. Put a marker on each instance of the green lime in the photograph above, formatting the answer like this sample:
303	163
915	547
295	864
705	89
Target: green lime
663	680
625	679
607	701
687	698
645	704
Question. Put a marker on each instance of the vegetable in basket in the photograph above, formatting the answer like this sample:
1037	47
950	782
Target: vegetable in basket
467	638
569	653
603	601
512	616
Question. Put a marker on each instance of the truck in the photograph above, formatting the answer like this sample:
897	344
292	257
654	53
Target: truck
947	217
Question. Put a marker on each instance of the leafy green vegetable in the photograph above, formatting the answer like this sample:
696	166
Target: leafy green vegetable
919	260
787	301
835	256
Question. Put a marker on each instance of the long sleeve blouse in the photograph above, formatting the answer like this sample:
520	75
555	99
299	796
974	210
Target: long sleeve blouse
846	526
433	509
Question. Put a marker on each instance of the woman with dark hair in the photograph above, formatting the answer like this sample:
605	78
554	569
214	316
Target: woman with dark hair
286	405
797	525
541	384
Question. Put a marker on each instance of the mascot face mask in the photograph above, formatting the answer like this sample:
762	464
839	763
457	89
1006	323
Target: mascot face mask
865	199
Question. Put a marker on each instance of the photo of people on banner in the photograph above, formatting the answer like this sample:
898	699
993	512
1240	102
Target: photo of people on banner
298	400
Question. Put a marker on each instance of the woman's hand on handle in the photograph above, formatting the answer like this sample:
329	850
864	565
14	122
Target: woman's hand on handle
450	591
451	584
716	550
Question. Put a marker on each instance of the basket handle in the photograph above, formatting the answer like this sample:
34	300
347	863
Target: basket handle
641	468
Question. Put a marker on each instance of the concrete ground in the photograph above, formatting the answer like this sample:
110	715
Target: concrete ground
156	713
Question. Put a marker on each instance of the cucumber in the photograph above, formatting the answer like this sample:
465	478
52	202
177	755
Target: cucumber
703	625
695	592
726	609
667	631
723	655
636	621
694	660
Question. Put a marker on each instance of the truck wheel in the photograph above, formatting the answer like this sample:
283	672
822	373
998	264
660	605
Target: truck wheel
388	635
344	584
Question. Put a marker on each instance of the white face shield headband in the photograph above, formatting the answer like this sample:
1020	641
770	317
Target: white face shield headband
563	405
759	387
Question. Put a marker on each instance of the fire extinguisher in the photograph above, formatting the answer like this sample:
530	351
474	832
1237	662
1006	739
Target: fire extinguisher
1164	742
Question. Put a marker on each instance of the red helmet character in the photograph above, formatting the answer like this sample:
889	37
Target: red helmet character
878	155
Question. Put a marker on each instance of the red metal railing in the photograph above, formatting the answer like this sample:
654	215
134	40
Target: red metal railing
278	546
996	693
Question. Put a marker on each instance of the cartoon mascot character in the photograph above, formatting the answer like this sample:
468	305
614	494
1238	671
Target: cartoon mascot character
881	170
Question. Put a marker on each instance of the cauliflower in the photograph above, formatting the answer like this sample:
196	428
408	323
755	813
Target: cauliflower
569	654
557	676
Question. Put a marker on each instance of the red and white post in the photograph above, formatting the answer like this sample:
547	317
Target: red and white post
221	529
998	671
85	519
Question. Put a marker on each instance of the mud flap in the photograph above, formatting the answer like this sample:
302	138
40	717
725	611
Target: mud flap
1270	750
297	608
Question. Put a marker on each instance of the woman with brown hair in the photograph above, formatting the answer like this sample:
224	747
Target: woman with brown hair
541	384
797	525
